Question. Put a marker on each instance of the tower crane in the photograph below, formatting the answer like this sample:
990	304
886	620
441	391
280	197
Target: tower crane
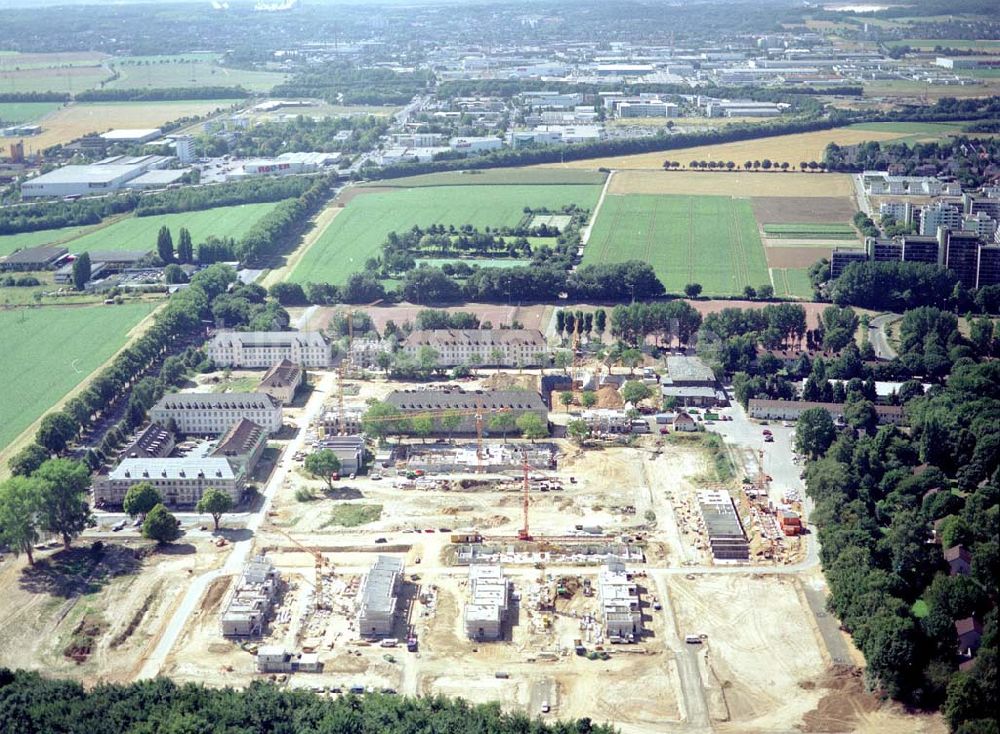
320	564
524	533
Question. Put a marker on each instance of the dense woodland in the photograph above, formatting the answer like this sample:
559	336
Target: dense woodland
878	498
340	83
30	704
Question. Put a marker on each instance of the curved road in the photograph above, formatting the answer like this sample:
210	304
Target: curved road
879	338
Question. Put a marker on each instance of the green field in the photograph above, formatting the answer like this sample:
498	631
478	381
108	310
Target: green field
139	233
911	128
358	232
190	70
70	79
11	242
49	351
792	283
810	231
712	240
16	113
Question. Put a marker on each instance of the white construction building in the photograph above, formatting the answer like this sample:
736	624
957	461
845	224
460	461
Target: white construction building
249	605
379	596
489	602
620	612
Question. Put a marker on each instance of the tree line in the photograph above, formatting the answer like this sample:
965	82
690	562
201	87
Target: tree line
164	94
343	83
54	214
32	703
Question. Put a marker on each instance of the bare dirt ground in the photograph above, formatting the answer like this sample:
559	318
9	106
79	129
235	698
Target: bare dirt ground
75	120
795	209
752	667
795	257
733	183
128	594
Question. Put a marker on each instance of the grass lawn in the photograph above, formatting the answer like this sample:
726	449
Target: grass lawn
792	283
15	113
912	128
350	516
139	233
11	242
358	232
70	79
712	240
49	351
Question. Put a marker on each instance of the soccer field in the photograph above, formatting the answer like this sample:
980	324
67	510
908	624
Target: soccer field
48	351
358	232
711	240
139	233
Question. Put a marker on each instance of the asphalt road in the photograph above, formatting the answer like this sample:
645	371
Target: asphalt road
879	338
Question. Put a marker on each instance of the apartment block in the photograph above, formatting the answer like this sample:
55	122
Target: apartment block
500	347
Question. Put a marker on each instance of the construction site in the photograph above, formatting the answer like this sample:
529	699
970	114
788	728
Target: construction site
564	578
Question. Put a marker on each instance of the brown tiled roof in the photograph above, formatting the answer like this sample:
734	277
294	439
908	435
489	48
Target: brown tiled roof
282	374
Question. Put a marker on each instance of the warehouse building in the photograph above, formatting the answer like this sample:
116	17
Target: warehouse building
691	382
490	402
252	600
726	536
262	349
489	601
44	257
203	414
494	347
620	610
379	596
132	136
111	174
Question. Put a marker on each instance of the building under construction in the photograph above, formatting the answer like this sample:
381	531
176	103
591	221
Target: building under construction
489	601
620	612
253	598
493	458
379	596
726	536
